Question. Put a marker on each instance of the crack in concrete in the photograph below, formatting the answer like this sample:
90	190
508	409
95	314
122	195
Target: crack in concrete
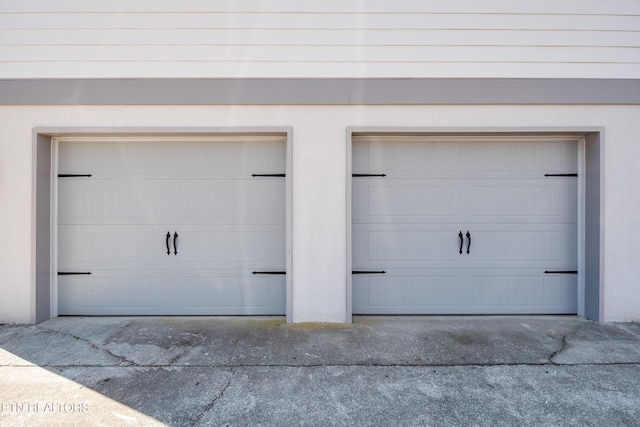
173	362
123	359
175	358
563	347
564	344
606	388
211	404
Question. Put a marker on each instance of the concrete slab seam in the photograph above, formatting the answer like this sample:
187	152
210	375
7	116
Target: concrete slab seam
338	365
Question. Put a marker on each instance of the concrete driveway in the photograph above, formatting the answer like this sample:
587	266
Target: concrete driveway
378	371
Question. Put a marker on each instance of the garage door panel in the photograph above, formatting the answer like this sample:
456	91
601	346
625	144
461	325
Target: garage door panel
385	200
396	201
454	157
247	293
519	158
516	247
514	156
508	292
257	202
522	292
236	158
549	200
433	292
240	246
104	289
91	201
542	247
403	245
409	246
211	292
118	247
126	247
489	249
400	159
402	199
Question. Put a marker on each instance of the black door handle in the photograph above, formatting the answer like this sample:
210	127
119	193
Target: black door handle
175	243
468	241
168	237
461	241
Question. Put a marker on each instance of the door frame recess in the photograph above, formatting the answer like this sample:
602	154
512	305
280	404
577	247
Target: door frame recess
590	296
44	302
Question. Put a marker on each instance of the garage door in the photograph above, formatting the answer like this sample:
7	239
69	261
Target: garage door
171	226
459	226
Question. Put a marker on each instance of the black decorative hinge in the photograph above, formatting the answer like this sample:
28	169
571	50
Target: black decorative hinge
361	175
561	272
560	174
368	272
268	272
72	273
73	175
278	175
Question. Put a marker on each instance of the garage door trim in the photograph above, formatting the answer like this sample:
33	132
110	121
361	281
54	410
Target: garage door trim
590	256
44	275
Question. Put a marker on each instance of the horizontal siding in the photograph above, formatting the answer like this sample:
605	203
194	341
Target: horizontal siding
218	39
328	54
282	37
600	7
322	21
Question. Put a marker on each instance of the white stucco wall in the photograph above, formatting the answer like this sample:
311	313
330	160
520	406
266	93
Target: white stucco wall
319	185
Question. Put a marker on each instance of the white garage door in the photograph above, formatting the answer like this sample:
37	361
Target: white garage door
176	227
455	226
